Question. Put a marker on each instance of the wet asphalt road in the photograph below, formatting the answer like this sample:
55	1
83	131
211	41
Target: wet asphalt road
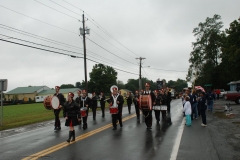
131	142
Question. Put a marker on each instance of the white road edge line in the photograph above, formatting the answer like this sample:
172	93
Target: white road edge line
177	141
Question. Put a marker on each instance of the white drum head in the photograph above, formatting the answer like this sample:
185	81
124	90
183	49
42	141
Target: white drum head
55	102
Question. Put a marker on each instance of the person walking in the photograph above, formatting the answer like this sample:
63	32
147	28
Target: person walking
210	100
203	108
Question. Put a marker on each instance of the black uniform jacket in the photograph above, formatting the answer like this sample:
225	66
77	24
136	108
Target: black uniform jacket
102	100
71	109
129	100
120	99
94	101
61	98
78	100
135	101
158	100
85	101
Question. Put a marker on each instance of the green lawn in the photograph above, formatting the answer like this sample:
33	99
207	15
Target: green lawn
19	115
24	114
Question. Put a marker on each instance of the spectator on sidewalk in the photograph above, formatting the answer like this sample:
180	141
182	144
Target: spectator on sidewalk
187	110
238	88
203	108
194	103
210	99
218	93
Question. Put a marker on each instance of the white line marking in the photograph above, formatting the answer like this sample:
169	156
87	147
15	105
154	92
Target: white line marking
177	141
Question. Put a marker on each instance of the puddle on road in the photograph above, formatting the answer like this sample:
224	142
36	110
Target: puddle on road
236	122
221	115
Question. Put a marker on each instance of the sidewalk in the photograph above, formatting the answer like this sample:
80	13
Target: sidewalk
219	140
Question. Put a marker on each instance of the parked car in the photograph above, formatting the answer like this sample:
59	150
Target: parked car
233	96
222	93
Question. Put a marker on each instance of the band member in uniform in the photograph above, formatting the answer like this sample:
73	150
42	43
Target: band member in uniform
94	105
135	101
158	103
169	99
102	102
78	100
129	102
57	111
72	115
148	113
163	102
85	101
116	100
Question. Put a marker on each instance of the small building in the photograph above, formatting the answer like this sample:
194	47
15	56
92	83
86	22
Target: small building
25	93
40	97
124	92
233	85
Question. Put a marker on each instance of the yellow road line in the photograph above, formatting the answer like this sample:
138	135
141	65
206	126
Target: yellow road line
65	144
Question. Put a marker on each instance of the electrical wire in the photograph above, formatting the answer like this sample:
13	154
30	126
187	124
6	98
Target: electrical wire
101	28
60	54
39	20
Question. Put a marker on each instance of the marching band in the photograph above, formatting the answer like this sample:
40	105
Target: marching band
76	111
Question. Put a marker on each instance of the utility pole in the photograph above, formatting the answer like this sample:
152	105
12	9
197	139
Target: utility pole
140	73
83	32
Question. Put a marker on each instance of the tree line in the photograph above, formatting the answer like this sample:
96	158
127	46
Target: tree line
216	53
102	77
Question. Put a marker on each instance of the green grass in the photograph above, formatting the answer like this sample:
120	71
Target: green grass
24	114
20	115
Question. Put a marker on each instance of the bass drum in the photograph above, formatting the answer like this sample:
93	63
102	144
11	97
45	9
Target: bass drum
51	102
145	102
47	103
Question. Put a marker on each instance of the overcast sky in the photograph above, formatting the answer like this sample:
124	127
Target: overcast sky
158	30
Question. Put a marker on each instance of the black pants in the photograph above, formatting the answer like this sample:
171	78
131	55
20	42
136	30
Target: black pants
116	117
157	115
57	120
168	106
85	120
137	111
129	107
217	96
148	118
94	110
103	109
203	115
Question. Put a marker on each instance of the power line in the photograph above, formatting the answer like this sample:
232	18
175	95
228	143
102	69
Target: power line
60	53
38	20
167	70
109	51
38	37
101	28
91	28
56	10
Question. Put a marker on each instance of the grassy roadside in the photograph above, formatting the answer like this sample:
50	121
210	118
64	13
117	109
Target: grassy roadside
24	114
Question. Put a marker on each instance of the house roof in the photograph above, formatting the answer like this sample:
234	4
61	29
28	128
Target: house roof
22	90
234	82
63	91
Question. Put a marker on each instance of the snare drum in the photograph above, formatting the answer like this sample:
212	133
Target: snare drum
163	107
51	102
145	102
113	110
83	112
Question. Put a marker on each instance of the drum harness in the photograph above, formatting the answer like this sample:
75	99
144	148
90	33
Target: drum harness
149	110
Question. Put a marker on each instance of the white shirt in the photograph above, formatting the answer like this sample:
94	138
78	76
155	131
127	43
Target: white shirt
187	108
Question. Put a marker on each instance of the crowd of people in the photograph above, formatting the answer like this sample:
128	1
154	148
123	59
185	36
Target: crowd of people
195	103
75	111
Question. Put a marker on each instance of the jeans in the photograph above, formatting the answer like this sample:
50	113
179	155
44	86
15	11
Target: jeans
210	105
195	110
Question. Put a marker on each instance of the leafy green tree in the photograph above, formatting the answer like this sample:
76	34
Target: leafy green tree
63	86
178	85
231	53
205	57
120	85
102	78
78	85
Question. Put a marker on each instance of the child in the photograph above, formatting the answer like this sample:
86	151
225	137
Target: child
188	111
